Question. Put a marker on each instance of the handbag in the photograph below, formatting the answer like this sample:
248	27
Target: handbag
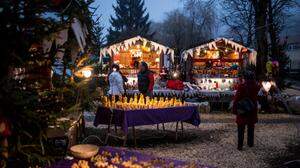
245	106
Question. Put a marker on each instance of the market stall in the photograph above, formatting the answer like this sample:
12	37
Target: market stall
215	66
131	52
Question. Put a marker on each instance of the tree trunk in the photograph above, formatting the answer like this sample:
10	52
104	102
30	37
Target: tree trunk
273	32
260	7
250	27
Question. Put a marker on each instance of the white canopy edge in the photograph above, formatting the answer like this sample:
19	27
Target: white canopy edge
212	45
80	31
113	49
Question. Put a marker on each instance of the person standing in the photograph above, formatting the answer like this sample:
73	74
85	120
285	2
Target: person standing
145	79
245	108
116	85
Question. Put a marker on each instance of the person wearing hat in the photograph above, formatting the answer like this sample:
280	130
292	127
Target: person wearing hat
145	79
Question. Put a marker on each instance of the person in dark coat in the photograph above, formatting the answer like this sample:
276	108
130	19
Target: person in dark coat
145	80
247	89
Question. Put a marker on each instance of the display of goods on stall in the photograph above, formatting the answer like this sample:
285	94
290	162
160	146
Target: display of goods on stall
141	102
175	84
131	52
220	84
217	64
131	81
192	90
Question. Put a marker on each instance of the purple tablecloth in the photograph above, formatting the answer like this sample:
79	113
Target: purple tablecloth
131	118
126	154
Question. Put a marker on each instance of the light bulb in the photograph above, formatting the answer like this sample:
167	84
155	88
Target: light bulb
175	74
87	73
267	86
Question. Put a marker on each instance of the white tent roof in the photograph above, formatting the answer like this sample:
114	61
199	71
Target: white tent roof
212	45
113	49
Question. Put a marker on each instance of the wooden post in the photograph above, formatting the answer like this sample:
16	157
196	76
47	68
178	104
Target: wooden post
176	136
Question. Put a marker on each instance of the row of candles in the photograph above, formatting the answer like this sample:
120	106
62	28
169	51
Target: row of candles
141	102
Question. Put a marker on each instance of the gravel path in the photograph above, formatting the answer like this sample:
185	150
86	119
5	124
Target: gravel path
214	142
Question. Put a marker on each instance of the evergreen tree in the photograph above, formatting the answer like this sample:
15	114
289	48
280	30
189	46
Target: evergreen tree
130	20
97	36
26	106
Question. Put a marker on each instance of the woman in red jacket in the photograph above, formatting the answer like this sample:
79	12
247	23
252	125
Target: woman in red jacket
247	89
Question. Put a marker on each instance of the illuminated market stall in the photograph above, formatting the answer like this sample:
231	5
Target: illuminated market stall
131	52
215	66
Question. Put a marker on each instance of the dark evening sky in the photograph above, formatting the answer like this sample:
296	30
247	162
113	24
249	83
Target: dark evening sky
158	8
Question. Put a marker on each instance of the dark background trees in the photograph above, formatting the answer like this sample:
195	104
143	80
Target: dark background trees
239	16
173	31
278	12
256	24
259	24
187	27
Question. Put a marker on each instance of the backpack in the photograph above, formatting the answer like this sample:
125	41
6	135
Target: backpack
245	106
